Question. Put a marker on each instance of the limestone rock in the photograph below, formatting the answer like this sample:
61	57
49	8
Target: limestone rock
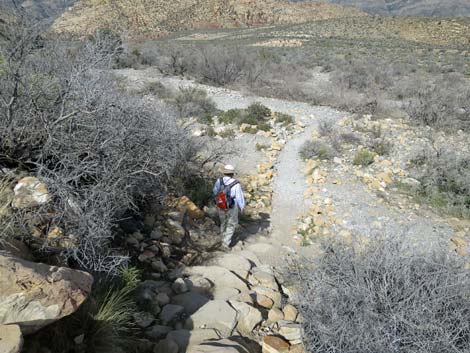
221	277
275	295
275	315
199	284
170	313
291	331
264	301
34	295
220	346
190	207
225	293
185	339
290	313
264	279
30	192
250	317
11	339
235	263
179	286
216	314
166	346
191	301
273	344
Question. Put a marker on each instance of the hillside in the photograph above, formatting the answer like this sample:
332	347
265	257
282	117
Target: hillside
447	8
41	9
154	18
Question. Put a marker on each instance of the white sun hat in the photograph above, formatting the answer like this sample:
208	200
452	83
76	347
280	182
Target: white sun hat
228	169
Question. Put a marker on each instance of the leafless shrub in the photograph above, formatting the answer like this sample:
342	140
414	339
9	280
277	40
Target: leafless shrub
99	150
445	180
326	127
384	296
314	149
444	104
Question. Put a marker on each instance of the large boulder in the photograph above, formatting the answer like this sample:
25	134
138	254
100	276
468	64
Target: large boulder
33	295
216	314
11	339
30	192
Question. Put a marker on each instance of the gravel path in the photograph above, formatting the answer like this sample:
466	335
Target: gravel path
360	210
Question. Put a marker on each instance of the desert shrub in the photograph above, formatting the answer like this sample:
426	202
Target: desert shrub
191	102
445	181
314	149
284	119
384	296
442	104
156	88
258	112
230	116
227	134
206	118
101	151
381	146
326	127
364	157
219	65
350	138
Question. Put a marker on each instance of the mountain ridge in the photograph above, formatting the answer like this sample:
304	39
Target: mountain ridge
427	8
154	18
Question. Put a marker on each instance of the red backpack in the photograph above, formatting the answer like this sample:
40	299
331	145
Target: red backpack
224	200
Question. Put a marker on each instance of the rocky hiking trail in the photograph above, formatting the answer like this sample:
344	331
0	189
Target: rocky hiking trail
248	296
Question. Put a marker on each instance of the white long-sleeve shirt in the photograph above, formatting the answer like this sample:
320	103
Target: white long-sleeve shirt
236	192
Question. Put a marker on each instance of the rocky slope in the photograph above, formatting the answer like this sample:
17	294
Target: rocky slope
448	8
41	9
154	18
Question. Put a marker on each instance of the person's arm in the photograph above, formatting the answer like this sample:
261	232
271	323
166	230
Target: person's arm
239	197
216	187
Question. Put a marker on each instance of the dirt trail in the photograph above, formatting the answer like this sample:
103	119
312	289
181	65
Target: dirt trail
360	210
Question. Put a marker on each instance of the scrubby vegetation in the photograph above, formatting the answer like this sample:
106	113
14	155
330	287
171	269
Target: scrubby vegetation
315	149
384	295
100	150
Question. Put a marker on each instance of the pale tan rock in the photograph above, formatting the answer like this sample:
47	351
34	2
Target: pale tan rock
273	344
34	295
275	315
274	295
190	207
30	192
220	346
264	301
219	276
291	331
216	314
249	317
290	313
11	339
186	339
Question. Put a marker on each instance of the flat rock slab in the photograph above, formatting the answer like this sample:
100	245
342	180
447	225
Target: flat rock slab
219	276
186	339
235	263
216	314
11	339
34	295
191	301
221	346
273	344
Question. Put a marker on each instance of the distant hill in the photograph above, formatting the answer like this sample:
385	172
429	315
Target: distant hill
155	18
41	9
441	8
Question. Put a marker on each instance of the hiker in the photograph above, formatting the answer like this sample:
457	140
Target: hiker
229	200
